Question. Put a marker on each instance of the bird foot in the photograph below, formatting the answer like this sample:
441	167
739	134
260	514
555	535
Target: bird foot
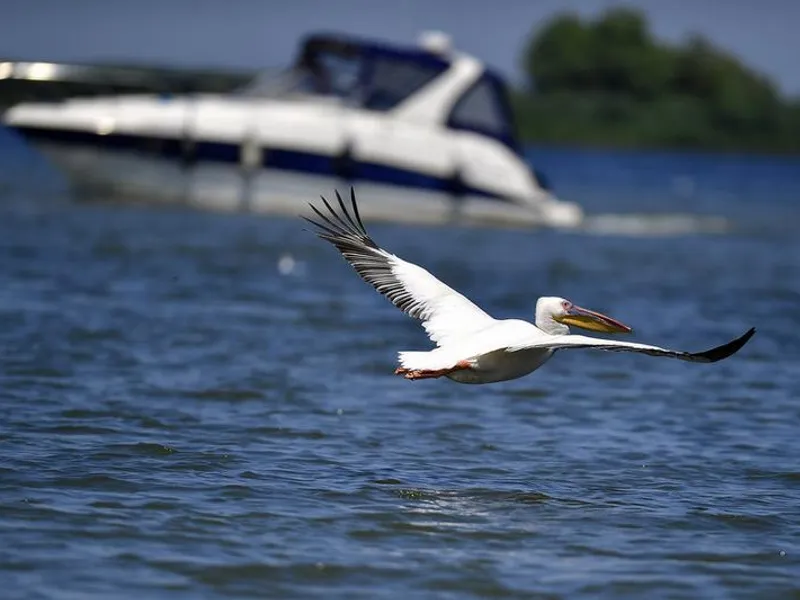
425	373
414	374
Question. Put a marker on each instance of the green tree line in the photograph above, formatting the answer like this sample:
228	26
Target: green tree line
609	82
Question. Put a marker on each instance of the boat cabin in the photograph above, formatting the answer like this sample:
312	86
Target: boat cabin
380	77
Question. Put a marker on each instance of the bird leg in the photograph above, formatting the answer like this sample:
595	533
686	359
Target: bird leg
431	373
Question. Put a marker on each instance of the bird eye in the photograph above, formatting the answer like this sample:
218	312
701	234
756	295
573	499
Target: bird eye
566	304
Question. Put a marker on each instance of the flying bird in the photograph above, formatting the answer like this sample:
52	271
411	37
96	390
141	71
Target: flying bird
472	346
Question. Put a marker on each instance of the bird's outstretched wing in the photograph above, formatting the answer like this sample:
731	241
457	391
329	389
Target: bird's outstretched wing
565	342
443	311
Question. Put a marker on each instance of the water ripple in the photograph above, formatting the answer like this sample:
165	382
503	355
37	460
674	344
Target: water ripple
178	420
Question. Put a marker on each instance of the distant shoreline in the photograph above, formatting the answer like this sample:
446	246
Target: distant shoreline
529	144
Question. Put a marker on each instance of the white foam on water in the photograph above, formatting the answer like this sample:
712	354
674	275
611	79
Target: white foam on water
665	224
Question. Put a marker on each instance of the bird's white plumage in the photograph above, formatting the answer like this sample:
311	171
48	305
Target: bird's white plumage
446	315
472	346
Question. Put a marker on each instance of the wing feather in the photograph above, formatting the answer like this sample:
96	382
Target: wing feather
445	313
566	342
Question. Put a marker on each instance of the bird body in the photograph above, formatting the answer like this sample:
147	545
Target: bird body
485	351
472	346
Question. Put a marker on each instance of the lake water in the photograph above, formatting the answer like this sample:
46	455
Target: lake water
197	405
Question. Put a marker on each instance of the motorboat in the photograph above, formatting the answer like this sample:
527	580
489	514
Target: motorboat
424	132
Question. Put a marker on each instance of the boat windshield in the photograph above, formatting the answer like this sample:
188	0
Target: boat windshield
368	76
485	109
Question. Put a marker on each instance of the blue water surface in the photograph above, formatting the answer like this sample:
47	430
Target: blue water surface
198	405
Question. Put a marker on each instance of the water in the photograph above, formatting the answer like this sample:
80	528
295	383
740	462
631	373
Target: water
202	406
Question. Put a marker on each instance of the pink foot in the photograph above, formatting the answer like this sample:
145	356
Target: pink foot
414	374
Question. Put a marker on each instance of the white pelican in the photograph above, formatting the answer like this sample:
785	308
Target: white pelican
473	347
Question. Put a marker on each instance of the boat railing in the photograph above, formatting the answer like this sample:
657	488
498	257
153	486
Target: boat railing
37	81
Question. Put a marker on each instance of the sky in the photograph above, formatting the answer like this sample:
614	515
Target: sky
264	33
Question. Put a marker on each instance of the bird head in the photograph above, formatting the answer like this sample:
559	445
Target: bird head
555	315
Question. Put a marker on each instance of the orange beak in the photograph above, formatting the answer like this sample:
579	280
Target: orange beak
593	321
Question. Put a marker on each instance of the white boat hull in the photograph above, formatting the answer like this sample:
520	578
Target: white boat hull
117	174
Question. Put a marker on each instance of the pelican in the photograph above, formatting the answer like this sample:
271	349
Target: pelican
471	346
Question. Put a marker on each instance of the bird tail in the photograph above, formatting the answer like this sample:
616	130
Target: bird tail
432	360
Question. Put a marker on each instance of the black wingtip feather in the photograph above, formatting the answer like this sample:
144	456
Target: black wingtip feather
319	228
726	350
344	211
342	226
329	225
328	206
355	210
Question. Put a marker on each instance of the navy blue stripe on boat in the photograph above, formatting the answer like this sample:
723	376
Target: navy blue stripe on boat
293	160
215	152
277	158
